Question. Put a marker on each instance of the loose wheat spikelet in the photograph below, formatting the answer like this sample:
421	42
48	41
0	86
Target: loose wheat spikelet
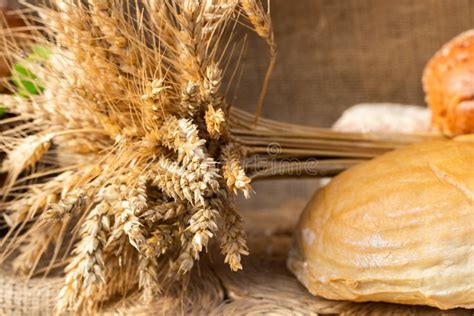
124	156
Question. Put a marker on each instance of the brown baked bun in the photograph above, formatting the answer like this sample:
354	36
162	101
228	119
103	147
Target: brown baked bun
448	81
399	228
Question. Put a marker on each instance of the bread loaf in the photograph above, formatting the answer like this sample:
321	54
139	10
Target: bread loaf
399	228
448	81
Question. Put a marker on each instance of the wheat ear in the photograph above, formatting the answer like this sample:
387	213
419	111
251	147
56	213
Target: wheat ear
85	273
233	172
233	244
25	155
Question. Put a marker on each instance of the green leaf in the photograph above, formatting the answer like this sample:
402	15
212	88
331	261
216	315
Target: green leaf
26	81
2	110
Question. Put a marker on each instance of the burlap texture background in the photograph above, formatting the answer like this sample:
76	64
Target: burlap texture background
336	53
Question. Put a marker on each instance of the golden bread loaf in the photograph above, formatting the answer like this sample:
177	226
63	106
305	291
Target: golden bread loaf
448	81
399	228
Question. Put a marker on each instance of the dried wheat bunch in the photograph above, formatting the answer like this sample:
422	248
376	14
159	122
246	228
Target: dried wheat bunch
121	167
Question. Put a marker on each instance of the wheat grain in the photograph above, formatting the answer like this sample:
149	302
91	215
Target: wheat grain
116	195
189	102
182	136
35	200
215	14
72	27
69	23
132	225
212	83
133	228
191	183
185	262
156	99
137	196
25	155
165	211
259	19
214	122
71	201
233	172
172	179
158	14
214	118
203	225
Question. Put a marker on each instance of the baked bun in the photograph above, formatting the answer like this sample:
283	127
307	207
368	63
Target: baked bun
384	118
399	228
448	81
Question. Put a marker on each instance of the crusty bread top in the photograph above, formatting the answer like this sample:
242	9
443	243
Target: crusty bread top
399	228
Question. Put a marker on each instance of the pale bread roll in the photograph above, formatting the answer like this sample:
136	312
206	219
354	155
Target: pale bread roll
399	228
384	118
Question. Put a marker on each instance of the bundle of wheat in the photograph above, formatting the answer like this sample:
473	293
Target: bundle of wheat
125	149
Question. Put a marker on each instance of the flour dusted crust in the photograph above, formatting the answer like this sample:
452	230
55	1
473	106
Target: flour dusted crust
448	81
399	228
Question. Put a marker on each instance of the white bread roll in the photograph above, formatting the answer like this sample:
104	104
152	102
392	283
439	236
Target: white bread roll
384	118
399	228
